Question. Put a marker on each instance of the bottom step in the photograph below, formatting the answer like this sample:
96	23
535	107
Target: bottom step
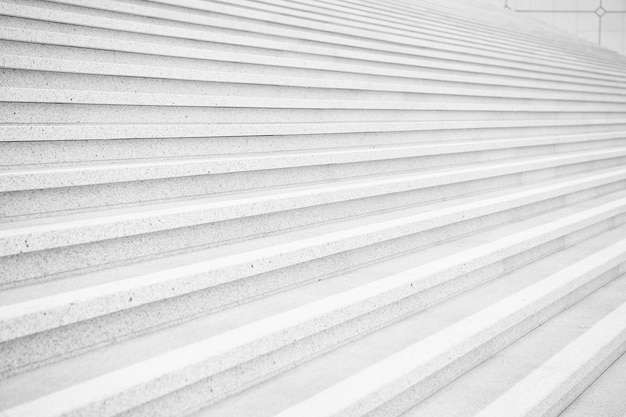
520	378
549	389
606	397
314	386
150	376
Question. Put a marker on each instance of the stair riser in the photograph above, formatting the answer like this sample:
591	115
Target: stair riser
74	103
406	28
566	374
340	165
611	353
198	196
28	352
195	396
385	20
58	132
80	258
228	82
401	403
215	79
452	37
391	17
248	285
597	370
190	390
63	232
268	32
30	113
56	197
44	151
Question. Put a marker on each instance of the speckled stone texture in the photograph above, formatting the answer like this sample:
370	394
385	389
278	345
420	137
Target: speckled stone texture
306	208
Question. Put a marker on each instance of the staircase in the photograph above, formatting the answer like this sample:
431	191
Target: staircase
308	208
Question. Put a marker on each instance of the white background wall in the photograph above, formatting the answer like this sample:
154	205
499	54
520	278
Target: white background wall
600	21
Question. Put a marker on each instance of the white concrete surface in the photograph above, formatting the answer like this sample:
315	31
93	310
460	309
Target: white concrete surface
552	387
197	197
420	369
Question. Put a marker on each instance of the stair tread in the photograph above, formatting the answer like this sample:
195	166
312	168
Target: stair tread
351	186
482	385
30	132
312	234
313	377
561	376
190	16
393	80
156	98
334	76
603	398
374	14
290	11
294	207
359	19
594	307
126	353
360	55
349	154
19	294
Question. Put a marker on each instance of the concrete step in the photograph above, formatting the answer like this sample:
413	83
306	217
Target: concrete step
387	17
61	152
561	379
329	207
50	152
47	189
376	270
213	85
606	390
51	176
479	19
227	16
130	118
490	384
477	264
222	30
351	21
339	107
502	25
296	72
395	384
32	249
108	131
308	379
125	300
141	59
341	144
